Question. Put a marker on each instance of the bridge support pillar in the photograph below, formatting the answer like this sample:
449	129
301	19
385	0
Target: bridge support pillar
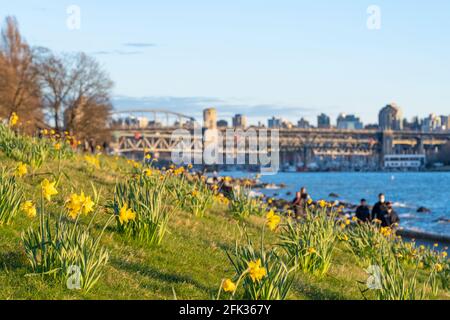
387	145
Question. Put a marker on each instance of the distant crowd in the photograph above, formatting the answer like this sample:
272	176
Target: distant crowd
382	211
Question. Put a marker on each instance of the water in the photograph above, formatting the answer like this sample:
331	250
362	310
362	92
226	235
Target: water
407	190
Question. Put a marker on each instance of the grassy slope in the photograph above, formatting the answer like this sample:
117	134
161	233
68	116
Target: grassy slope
191	260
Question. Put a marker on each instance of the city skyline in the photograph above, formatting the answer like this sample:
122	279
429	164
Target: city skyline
290	59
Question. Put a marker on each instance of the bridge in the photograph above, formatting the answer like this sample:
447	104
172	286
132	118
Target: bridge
136	131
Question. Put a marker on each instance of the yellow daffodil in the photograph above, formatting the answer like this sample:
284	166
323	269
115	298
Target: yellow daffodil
322	203
21	170
126	214
92	160
148	156
439	267
14	119
228	285
386	231
29	209
79	204
344	237
148	172
312	250
444	254
273	220
48	189
74	204
57	146
256	271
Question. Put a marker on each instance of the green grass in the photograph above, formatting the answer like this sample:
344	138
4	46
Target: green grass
190	262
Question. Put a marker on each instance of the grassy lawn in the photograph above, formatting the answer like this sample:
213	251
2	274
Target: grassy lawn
189	264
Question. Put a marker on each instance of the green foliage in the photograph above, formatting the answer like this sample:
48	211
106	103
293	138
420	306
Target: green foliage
309	243
31	150
243	206
146	197
276	282
10	198
56	251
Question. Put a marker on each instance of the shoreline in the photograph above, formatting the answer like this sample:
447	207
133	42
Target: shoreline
424	236
427	237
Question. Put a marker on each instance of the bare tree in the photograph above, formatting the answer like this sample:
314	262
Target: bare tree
73	87
19	89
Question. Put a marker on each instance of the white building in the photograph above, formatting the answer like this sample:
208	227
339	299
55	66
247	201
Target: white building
404	161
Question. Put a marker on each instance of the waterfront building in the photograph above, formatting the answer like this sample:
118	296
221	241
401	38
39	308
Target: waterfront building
303	124
323	121
413	125
390	118
445	122
210	118
404	161
349	122
432	123
274	123
240	121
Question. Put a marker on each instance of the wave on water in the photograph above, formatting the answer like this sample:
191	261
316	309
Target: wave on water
407	215
402	205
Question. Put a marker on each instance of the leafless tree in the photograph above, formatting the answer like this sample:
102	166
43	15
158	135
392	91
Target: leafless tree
19	89
74	87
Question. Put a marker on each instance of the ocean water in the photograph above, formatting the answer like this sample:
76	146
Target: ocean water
407	190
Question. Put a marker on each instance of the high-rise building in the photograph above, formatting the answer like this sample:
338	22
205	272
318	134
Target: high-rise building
413	125
240	121
210	118
432	123
445	121
349	122
274	123
323	121
303	124
390	117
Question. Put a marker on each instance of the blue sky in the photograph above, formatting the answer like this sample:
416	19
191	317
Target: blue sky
288	58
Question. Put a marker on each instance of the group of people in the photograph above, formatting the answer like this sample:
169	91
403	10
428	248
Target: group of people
382	211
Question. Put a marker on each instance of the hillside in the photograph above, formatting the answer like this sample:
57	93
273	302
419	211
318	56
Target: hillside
191	261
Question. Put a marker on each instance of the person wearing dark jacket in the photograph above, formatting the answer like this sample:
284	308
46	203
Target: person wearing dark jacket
300	202
363	212
392	218
380	209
